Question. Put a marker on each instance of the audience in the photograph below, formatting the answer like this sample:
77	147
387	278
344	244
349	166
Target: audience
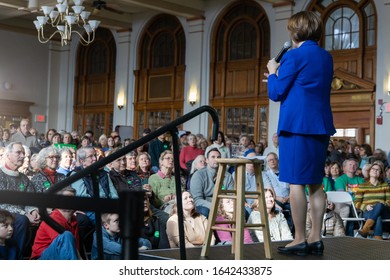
54	160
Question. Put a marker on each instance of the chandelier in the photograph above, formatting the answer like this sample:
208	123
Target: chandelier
66	22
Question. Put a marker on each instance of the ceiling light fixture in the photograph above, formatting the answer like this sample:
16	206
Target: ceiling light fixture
67	21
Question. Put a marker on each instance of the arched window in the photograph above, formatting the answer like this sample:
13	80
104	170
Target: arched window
160	75
240	47
342	30
95	84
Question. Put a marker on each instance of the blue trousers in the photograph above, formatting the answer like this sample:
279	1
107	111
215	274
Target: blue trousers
20	234
378	212
63	247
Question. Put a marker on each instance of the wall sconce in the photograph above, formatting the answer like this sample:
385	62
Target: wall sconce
192	96
383	105
120	103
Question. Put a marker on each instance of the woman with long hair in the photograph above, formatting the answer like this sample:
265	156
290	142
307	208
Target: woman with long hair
195	224
278	226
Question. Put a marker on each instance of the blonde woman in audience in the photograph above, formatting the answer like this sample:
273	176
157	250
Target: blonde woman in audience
103	142
202	143
195	224
278	226
163	183
198	163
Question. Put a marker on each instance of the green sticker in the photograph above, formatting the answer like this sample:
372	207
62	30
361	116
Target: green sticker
157	234
22	187
129	182
46	185
223	187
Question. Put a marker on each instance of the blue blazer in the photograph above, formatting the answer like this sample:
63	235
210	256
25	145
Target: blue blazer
303	85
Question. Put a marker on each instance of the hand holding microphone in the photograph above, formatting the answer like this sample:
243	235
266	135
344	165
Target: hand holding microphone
286	47
273	64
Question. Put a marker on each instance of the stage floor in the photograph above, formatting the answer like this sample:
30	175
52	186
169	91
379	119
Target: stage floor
338	248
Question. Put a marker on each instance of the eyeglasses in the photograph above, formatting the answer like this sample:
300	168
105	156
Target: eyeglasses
376	169
168	158
53	157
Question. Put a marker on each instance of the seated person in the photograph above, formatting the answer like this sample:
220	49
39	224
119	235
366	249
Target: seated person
203	182
281	189
333	224
155	228
51	245
163	183
198	163
112	242
9	249
225	213
195	224
372	198
278	226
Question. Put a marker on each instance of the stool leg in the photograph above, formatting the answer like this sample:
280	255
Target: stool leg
213	209
263	211
239	210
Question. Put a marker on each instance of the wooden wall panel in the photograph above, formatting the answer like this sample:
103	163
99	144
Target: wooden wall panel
96	92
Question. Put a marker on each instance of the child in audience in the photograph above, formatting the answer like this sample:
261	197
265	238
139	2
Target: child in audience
112	242
225	213
9	249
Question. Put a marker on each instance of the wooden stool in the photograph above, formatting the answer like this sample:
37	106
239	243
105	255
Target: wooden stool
239	195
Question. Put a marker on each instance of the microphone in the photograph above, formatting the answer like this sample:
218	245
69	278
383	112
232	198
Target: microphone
286	47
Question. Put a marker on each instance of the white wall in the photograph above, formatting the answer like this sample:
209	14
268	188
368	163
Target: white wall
24	65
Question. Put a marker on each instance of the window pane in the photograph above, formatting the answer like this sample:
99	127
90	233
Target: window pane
239	121
243	41
342	30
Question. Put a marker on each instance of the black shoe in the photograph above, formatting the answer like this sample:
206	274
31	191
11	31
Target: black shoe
316	248
300	249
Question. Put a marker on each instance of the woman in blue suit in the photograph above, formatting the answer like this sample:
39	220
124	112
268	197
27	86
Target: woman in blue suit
302	84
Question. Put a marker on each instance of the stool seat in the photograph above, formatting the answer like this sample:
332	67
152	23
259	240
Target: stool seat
239	195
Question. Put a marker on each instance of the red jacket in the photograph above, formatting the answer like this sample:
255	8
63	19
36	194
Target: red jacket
45	234
188	153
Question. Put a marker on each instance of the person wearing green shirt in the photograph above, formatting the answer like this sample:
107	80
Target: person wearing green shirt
347	182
